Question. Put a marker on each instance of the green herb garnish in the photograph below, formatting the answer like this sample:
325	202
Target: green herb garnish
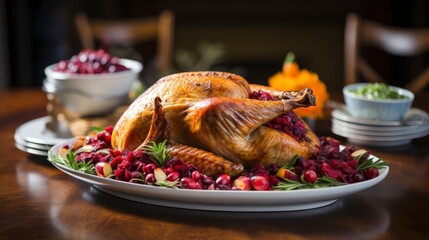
291	164
70	162
369	163
159	152
321	182
167	184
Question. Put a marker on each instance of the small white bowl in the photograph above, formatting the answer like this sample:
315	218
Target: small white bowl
86	95
379	109
97	84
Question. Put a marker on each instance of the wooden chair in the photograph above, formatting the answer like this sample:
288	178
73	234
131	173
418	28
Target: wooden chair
130	31
394	41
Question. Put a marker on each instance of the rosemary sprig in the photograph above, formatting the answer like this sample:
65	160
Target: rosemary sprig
167	184
369	163
70	162
321	182
291	164
365	161
159	153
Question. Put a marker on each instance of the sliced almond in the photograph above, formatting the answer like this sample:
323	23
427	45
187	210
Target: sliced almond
160	175
358	153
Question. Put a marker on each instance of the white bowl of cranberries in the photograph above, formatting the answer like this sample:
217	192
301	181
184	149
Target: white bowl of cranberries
91	83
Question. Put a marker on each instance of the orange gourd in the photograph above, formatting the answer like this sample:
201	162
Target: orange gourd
290	67
292	78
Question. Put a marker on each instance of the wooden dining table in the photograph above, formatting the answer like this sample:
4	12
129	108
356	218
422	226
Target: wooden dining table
37	201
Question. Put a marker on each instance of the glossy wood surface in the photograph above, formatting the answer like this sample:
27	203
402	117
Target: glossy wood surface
37	201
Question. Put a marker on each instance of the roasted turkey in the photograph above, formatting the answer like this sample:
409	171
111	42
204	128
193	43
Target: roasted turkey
211	122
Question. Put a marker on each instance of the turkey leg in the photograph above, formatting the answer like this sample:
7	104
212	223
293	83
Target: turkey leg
232	128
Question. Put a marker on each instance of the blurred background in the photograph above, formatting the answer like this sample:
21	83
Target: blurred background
250	38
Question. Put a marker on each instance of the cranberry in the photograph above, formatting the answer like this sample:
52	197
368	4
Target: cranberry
358	177
199	185
332	173
90	62
127	175
116	161
148	168
310	176
168	170
223	179
150	178
117	153
196	175
260	183
242	183
208	181
188	183
136	174
109	129
371	173
119	173
173	176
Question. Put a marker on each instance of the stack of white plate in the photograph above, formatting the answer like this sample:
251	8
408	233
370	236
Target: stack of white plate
35	138
369	132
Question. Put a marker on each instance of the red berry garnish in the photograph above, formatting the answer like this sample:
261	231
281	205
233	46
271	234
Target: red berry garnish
260	183
150	179
90	62
196	175
242	183
310	176
173	176
223	179
188	183
371	173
